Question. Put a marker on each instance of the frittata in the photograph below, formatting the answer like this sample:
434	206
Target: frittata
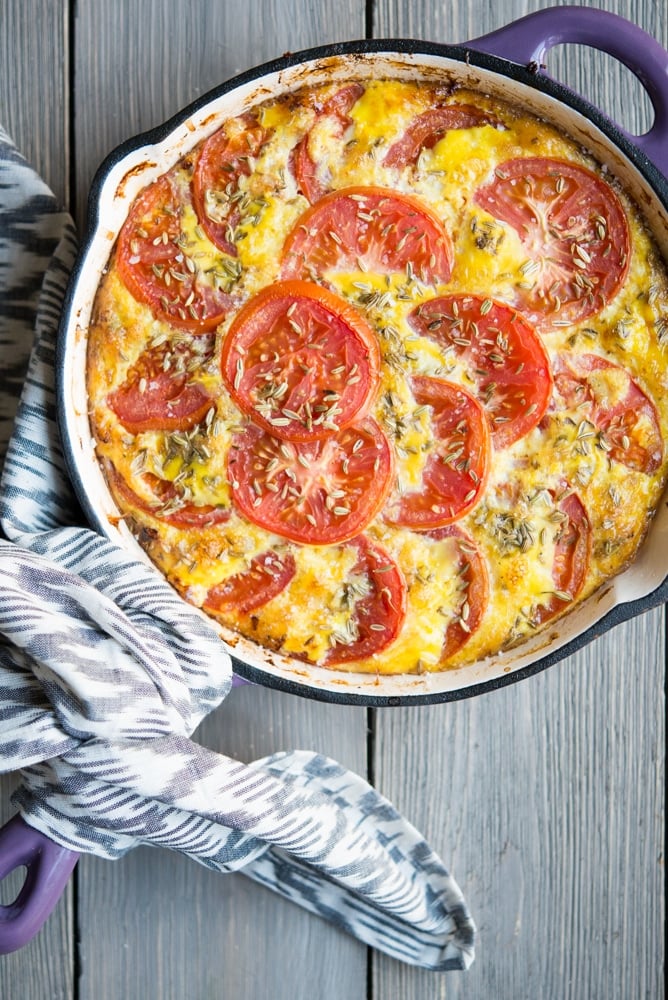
377	375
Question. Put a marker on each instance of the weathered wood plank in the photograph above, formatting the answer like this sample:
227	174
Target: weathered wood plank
156	925
139	61
545	798
604	81
555	832
546	801
34	94
34	59
45	967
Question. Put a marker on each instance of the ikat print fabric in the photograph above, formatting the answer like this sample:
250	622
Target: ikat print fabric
105	673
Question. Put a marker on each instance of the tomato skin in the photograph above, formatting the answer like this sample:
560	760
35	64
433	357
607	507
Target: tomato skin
571	559
474	579
317	492
186	515
384	605
456	471
575	232
158	392
318	349
191	515
155	269
269	573
429	127
580	380
303	167
305	172
385	230
222	160
505	358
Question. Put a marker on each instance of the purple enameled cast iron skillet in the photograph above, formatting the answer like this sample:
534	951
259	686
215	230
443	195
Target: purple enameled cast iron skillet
508	64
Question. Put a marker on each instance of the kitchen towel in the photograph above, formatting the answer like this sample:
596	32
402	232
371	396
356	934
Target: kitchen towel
105	673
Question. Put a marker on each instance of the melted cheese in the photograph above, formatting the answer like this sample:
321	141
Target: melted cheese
515	525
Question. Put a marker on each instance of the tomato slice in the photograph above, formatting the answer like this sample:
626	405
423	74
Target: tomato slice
315	492
429	127
155	267
504	356
456	471
571	559
575	232
471	570
224	158
609	398
267	575
305	170
159	393
379	614
368	228
168	503
300	361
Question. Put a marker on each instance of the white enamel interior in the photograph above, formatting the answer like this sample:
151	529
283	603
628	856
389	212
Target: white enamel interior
139	167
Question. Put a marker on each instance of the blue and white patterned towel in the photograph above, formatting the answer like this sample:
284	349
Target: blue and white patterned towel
105	673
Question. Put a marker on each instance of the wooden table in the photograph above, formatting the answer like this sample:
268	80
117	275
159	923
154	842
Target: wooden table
544	798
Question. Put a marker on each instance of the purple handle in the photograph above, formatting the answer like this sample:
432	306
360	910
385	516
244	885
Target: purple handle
530	38
48	868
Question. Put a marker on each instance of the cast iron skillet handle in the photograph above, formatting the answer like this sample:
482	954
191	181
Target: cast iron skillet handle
527	41
48	868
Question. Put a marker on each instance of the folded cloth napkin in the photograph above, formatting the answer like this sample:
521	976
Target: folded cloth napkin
105	673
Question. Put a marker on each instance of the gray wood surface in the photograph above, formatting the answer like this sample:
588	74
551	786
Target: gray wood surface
34	86
551	804
180	930
33	64
546	798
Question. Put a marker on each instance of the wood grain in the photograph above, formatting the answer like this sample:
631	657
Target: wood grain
546	801
34	86
45	967
604	81
156	925
138	62
34	64
546	798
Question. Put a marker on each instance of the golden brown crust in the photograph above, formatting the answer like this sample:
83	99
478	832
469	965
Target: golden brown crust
515	526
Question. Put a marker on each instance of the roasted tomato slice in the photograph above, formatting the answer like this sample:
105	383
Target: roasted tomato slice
571	559
377	592
337	109
368	228
226	156
504	356
609	398
429	127
168	502
267	575
159	392
300	361
575	232
157	270
456	469
316	492
467	562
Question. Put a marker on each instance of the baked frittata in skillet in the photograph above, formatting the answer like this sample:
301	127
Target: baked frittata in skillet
377	376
